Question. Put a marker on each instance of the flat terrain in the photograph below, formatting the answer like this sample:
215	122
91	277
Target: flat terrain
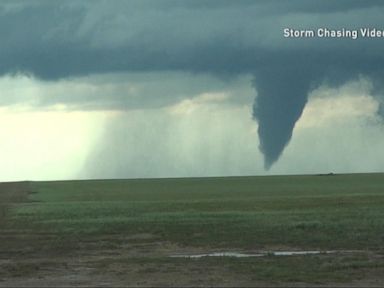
123	232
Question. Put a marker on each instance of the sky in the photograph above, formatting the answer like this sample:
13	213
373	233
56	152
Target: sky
182	88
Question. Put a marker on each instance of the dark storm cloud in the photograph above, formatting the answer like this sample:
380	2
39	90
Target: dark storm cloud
52	40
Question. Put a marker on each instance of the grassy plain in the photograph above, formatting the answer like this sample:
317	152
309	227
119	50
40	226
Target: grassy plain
122	232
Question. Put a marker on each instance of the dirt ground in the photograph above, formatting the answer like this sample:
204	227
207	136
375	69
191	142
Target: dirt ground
132	269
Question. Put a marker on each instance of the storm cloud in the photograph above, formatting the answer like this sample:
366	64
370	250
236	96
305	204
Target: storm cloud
226	39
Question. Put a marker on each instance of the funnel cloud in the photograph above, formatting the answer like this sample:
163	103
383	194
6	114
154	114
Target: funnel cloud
282	95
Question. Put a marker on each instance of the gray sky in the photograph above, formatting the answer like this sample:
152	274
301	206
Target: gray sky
120	89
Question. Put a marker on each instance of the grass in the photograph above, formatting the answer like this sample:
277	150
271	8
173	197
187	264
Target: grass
145	220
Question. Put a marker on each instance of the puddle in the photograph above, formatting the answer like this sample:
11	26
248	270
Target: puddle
293	253
260	254
219	254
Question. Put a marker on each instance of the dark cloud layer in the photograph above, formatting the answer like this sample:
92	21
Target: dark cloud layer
52	40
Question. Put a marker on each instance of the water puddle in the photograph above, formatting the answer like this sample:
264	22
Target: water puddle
260	254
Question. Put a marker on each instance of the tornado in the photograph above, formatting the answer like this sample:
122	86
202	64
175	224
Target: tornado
281	97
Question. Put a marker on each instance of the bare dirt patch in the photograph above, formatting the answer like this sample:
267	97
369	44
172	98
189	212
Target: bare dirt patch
11	193
145	264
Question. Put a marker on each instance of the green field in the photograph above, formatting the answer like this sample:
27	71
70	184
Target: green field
122	232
